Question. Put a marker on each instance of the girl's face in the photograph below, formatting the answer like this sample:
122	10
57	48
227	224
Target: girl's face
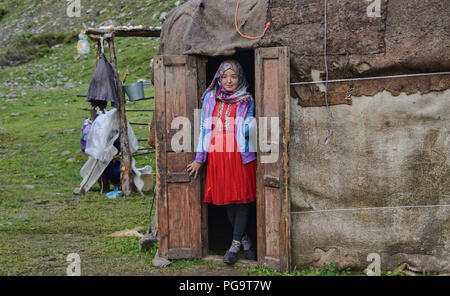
230	80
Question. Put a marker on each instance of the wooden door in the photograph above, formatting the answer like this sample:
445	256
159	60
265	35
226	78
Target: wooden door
178	194
273	202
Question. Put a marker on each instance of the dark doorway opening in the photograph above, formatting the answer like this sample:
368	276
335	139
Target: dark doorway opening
220	232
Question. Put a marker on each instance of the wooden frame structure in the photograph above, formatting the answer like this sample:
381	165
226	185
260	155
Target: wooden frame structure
97	35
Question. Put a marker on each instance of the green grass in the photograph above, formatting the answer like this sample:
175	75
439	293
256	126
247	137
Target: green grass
331	270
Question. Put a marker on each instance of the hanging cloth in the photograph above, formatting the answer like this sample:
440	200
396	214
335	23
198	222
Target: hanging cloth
103	85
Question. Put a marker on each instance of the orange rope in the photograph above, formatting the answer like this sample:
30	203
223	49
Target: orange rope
237	29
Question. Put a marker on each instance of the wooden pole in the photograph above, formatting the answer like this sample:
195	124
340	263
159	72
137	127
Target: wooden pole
125	160
99	51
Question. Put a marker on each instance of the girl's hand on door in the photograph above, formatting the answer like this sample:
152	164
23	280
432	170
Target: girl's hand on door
193	168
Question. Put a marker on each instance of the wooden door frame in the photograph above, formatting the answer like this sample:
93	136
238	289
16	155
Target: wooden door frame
198	65
284	76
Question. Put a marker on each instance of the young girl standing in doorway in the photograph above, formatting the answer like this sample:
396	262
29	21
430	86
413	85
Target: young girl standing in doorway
227	120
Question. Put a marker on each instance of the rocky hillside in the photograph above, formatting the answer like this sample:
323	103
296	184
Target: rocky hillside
50	16
28	28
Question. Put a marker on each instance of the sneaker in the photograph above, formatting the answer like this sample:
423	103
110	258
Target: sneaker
230	257
246	243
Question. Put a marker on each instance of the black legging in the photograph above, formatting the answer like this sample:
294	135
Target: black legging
238	215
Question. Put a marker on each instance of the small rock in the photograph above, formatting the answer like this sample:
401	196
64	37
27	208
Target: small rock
50	175
69	131
42	202
69	85
51	258
3	108
16	114
29	186
160	262
9	223
72	159
12	95
147	241
64	153
22	216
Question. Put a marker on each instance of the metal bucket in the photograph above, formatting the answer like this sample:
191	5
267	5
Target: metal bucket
135	91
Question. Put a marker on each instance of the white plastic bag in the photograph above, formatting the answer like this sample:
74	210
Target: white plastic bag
104	131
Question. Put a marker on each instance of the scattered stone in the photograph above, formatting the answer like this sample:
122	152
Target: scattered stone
22	216
12	95
147	241
72	201
29	186
72	159
50	175
64	153
69	131
69	85
51	258
16	114
3	108
103	11
42	202
160	262
9	223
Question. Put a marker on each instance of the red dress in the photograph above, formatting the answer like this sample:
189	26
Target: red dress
228	181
